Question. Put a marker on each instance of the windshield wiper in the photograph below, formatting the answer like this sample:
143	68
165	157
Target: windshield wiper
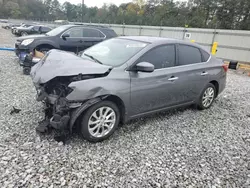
91	57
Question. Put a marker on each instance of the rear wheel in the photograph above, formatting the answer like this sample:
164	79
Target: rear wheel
207	97
100	121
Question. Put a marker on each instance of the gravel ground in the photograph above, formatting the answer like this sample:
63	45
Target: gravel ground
182	148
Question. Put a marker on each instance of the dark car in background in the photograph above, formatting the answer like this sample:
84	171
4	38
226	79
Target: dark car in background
73	38
125	78
13	29
11	25
37	29
4	21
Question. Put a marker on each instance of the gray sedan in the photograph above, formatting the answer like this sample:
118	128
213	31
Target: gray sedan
124	78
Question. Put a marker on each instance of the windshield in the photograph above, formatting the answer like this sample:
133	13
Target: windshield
115	51
57	30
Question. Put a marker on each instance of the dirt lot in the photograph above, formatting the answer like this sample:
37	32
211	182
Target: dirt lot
183	148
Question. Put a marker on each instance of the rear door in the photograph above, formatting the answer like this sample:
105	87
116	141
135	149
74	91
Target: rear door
91	36
191	71
74	42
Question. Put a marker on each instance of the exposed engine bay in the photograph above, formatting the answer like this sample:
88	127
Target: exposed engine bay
58	110
52	77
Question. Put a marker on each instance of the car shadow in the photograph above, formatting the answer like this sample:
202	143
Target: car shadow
138	123
122	130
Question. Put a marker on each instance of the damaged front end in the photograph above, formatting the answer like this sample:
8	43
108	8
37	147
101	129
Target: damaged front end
52	77
59	110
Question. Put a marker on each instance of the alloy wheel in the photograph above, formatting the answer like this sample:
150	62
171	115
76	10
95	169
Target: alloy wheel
101	122
208	97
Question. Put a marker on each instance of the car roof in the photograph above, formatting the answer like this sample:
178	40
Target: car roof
159	40
91	26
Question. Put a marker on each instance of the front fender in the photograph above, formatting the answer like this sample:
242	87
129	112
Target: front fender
45	42
77	112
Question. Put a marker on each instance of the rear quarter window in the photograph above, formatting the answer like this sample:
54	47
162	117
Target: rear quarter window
189	55
205	55
109	33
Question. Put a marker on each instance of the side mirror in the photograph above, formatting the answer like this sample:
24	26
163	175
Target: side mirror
64	36
145	67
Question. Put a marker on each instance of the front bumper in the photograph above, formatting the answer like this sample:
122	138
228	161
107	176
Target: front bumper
29	60
21	51
58	110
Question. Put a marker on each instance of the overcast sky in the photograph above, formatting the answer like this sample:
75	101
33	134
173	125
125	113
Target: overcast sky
98	3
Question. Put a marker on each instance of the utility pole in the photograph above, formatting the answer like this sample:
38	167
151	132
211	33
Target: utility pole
82	10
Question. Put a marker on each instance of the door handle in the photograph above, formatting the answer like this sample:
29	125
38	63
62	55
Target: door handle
204	73
81	41
173	78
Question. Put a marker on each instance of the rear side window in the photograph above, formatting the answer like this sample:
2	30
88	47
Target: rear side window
94	33
205	55
109	33
189	55
160	57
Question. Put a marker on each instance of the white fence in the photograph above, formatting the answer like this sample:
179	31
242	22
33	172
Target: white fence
232	44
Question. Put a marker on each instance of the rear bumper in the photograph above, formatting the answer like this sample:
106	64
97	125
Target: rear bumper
222	84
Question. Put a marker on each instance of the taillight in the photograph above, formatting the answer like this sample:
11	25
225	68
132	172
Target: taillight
225	67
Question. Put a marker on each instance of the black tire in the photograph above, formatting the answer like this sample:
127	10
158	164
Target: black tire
26	70
233	65
200	104
24	33
87	115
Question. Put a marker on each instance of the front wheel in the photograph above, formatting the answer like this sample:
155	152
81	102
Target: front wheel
100	121
26	70
24	34
207	97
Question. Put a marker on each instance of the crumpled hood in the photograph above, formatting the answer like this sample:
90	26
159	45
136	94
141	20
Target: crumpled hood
59	63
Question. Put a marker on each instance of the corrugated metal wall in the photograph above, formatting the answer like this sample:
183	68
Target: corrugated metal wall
232	44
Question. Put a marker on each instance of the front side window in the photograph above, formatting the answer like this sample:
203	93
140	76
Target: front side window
57	30
189	55
35	28
75	32
114	52
45	29
161	57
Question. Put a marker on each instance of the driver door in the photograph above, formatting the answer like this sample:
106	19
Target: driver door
156	90
74	42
